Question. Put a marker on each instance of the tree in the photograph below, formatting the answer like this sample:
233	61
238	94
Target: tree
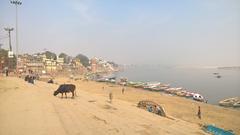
50	55
65	57
7	62
83	59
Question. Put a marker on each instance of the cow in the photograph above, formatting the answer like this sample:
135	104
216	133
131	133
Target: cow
66	88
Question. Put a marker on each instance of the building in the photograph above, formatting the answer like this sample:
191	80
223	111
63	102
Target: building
60	63
50	65
94	64
36	67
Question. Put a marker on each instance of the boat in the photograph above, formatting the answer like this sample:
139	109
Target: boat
218	76
172	90
152	107
230	102
189	94
139	85
151	85
237	104
198	97
181	93
216	130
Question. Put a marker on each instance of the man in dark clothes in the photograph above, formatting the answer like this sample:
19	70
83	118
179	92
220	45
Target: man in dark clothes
7	72
199	112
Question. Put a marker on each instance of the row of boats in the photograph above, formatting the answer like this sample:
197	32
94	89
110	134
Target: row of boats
154	86
161	87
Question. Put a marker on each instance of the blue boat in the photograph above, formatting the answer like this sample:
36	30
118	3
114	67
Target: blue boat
217	131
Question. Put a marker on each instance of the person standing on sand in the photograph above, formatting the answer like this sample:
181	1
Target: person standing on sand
110	97
199	112
123	89
6	72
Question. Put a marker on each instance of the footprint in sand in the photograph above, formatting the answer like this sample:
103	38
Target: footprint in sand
99	119
109	107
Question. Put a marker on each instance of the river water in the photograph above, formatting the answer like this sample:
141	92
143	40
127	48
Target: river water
200	80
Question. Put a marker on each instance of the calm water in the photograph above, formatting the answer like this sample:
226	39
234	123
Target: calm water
198	80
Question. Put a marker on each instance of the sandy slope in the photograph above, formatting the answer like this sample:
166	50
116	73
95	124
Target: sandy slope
27	109
177	107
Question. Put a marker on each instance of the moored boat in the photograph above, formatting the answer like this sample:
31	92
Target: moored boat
237	104
230	102
181	93
198	97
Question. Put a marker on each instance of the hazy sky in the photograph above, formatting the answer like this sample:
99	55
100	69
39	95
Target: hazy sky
168	32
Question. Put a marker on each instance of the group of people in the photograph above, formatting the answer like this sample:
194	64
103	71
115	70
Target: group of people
30	77
111	94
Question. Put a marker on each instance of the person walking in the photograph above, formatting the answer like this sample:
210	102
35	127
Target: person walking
199	112
7	72
110	97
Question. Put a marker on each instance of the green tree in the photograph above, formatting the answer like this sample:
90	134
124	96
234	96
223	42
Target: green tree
83	59
65	57
50	55
7	62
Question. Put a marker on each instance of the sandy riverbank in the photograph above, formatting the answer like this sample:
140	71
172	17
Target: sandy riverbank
177	107
32	109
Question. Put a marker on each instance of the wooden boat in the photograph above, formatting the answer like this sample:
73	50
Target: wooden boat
182	93
237	104
144	104
230	102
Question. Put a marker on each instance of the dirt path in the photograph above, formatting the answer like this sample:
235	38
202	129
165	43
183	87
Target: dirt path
27	109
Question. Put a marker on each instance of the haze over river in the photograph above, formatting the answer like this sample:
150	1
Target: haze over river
200	80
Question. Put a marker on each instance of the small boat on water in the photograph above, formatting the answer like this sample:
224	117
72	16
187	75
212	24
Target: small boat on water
181	93
237	104
198	97
230	102
173	90
218	76
189	94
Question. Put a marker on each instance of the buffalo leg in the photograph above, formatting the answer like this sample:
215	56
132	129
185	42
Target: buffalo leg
75	93
66	94
62	95
72	94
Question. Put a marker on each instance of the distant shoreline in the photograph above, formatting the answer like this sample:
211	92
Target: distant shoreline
230	68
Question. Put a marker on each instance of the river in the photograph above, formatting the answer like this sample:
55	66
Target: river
200	80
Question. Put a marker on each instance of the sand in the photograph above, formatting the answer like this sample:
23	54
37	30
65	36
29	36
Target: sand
27	109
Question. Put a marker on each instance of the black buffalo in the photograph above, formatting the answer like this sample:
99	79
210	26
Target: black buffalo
66	88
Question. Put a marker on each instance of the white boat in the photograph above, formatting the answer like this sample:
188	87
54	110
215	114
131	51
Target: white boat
237	104
198	97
